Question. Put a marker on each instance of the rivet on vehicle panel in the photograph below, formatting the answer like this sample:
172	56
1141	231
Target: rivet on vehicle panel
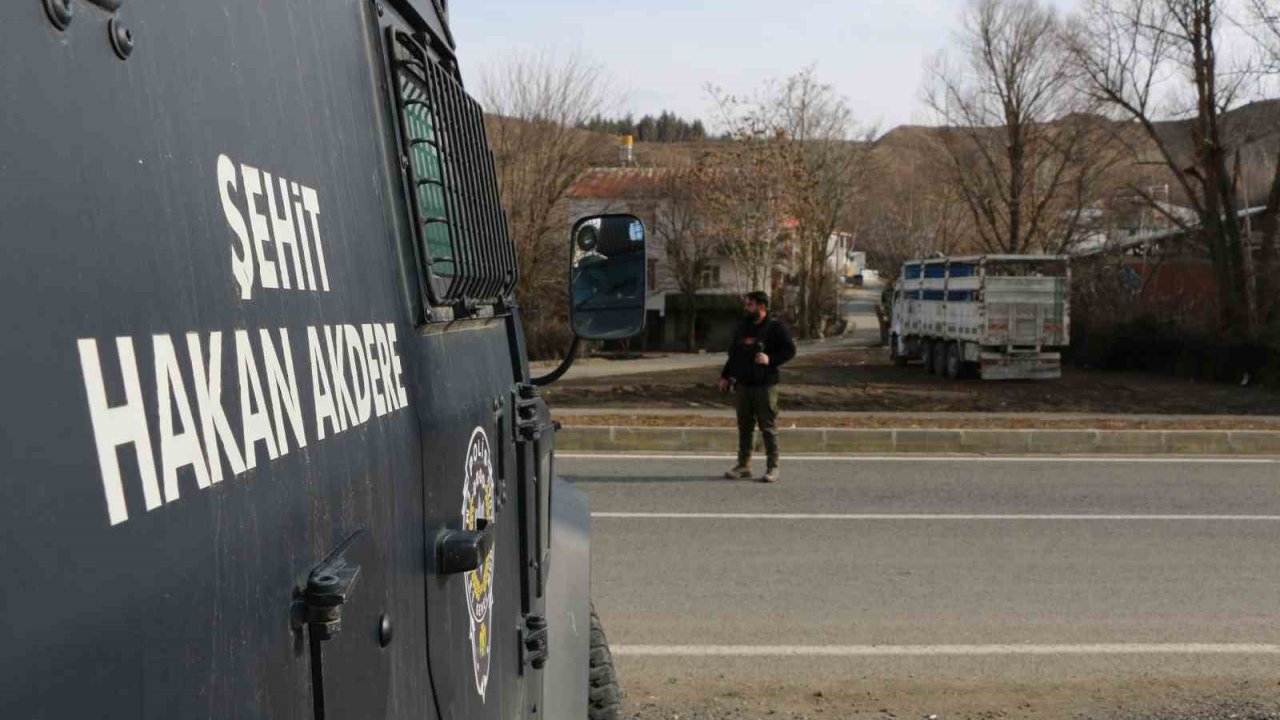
385	631
59	12
121	38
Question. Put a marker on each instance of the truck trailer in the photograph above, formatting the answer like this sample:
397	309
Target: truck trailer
999	317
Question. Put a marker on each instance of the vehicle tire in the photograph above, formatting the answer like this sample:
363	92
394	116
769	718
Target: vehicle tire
604	696
940	358
926	354
895	354
954	363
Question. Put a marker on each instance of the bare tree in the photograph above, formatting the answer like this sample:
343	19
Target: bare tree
748	199
827	166
1266	20
912	214
1025	154
797	165
684	225
1134	54
536	104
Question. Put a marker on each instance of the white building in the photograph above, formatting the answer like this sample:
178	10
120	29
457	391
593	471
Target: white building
641	192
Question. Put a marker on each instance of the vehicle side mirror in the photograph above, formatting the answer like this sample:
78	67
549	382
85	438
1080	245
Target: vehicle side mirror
607	277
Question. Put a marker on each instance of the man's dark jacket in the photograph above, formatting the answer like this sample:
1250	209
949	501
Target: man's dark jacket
770	338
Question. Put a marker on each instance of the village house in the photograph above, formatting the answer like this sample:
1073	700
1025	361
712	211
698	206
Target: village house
1161	261
643	192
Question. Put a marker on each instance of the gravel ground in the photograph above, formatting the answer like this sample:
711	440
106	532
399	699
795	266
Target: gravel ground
1117	702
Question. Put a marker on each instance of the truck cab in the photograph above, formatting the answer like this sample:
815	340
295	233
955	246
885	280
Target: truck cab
271	444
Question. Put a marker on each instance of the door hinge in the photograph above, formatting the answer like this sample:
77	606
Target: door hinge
535	646
525	425
318	607
319	604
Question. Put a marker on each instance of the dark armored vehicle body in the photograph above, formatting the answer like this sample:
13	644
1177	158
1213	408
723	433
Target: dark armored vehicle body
271	448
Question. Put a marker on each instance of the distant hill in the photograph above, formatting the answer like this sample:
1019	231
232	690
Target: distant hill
1254	129
908	154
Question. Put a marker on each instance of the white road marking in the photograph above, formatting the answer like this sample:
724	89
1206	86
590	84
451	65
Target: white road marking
1163	459
924	516
941	650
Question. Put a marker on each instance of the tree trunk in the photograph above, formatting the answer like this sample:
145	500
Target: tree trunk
691	310
1017	170
1221	220
802	289
1268	283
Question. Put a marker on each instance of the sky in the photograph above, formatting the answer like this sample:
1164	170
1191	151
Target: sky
662	53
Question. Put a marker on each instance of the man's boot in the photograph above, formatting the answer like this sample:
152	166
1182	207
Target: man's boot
741	471
771	475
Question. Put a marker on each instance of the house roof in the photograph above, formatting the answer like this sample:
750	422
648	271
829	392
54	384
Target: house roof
1101	243
611	183
986	258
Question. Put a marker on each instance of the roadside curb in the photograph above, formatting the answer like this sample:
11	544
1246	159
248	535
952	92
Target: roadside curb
912	440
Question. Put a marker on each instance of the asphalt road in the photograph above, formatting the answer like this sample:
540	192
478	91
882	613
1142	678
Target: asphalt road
870	588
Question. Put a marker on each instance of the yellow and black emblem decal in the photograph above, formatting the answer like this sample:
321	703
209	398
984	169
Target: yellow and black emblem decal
477	506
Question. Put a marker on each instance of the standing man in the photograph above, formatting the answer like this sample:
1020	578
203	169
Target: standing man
760	346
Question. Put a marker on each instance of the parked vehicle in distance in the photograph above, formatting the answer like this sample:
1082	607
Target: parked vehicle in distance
855	269
1001	317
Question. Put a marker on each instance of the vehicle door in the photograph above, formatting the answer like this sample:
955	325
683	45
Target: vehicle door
194	249
464	370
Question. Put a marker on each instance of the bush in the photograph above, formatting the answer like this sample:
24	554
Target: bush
1150	344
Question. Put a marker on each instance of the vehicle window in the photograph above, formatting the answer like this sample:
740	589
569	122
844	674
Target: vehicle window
452	188
428	167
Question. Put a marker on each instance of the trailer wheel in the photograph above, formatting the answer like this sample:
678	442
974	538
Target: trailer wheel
940	359
927	349
954	363
604	696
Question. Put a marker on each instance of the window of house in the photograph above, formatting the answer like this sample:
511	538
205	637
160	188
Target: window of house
710	277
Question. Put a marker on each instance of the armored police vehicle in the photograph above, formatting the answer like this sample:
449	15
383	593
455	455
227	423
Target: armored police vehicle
270	443
1001	317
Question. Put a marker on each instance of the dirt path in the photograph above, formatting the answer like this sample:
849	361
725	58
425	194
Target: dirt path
863	380
931	421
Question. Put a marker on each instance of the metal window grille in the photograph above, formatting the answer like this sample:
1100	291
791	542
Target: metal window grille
460	228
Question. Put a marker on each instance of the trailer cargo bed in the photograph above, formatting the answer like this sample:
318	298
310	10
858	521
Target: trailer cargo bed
1000	317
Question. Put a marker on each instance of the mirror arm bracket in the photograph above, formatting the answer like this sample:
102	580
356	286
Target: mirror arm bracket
565	364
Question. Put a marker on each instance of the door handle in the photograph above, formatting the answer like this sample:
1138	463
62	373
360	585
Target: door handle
459	551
